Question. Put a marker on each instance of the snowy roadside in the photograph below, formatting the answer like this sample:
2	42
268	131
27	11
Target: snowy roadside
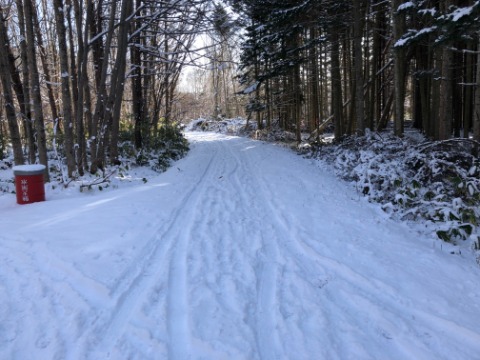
432	186
242	250
375	166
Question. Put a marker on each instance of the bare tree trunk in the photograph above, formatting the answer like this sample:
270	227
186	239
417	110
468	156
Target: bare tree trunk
118	78
375	104
65	80
166	80
82	98
337	102
349	87
437	60
399	70
8	95
97	137
358	66
446	95
35	89
72	55
297	109
95	29
468	103
137	91
476	111
46	70
314	85
26	111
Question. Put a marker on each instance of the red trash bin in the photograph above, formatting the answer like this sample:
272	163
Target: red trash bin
29	184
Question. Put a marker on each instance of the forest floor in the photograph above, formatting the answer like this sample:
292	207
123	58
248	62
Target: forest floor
241	250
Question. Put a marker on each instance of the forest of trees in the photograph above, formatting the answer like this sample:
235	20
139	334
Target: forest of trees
361	64
76	73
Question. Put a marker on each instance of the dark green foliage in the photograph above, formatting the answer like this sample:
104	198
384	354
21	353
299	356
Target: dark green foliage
160	150
3	146
438	27
437	181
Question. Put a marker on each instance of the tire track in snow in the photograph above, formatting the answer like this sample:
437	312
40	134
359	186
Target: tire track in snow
48	300
216	288
299	263
302	316
178	301
145	270
228	287
371	314
266	308
194	218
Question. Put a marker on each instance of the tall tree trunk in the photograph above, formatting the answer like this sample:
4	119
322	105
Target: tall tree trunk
446	95
95	29
166	84
375	104
65	80
314	84
8	94
358	66
297	103
349	85
435	100
26	108
72	55
399	70
82	98
35	89
118	79
137	91
476	111
337	98
42	52
97	137
468	95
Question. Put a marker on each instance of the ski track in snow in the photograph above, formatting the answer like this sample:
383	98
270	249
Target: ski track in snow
241	250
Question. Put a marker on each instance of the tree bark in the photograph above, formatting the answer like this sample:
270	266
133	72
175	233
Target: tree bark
26	108
446	95
97	137
35	89
83	94
118	79
358	66
137	91
337	98
8	95
399	70
476	111
314	85
468	97
59	10
42	52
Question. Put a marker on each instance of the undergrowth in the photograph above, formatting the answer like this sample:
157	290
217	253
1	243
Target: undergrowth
168	144
438	181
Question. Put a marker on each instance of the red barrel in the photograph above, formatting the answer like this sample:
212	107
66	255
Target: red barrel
29	184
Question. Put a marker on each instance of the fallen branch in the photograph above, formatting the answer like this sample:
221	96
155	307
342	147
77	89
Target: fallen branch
102	180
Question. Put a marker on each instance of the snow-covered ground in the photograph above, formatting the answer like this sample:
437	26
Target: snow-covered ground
241	250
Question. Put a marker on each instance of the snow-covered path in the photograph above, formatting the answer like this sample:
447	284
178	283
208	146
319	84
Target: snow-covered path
242	250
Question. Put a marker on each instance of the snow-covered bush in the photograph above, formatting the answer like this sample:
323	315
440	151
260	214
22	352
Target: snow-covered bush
437	181
236	126
168	145
241	127
6	185
158	152
3	146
